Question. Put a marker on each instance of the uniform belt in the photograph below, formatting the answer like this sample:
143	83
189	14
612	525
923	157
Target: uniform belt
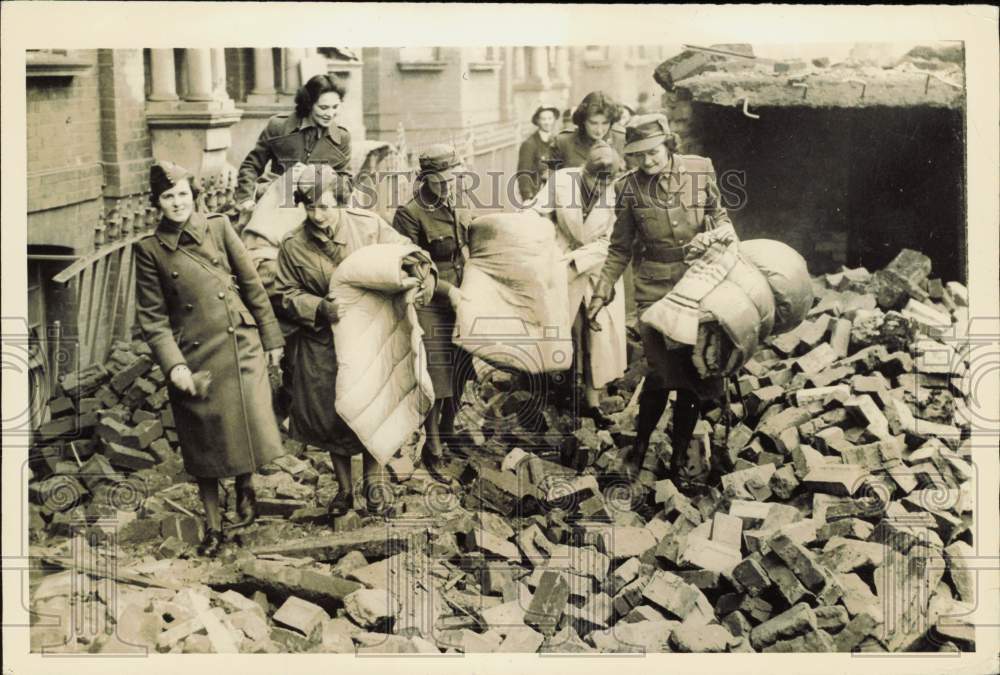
665	254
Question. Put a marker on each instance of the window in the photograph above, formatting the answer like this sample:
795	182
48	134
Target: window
53	63
417	54
477	54
595	53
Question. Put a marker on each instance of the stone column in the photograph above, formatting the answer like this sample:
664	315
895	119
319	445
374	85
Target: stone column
195	132
291	69
263	72
539	70
520	70
562	64
199	74
219	74
164	84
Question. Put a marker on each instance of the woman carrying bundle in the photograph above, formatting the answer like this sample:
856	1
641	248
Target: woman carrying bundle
664	207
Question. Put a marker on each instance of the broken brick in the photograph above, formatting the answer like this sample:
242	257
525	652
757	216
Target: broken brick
795	621
547	603
300	615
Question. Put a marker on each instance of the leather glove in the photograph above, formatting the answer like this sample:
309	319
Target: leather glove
593	309
329	310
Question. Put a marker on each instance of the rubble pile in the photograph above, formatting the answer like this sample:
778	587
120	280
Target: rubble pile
838	517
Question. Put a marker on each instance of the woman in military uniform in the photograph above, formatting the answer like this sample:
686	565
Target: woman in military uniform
307	259
203	310
309	135
594	119
434	222
534	153
663	205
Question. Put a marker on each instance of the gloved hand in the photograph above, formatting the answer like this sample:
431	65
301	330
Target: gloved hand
703	240
593	309
329	309
180	377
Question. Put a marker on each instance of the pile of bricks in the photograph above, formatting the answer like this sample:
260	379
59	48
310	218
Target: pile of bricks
111	439
838	516
111	446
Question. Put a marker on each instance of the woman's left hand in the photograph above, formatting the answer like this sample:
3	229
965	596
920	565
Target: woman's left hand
274	357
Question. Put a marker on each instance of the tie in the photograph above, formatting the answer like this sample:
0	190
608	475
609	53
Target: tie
311	134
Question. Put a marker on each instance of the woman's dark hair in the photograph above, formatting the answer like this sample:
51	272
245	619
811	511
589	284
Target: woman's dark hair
596	103
154	198
309	93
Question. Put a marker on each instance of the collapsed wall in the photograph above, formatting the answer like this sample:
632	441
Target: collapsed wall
846	163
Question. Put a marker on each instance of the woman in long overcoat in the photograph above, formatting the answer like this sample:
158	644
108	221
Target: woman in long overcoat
205	314
580	202
433	221
307	259
663	206
535	151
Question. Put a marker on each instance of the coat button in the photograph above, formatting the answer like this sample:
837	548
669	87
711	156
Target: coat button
196	343
230	330
189	306
175	274
215	261
221	295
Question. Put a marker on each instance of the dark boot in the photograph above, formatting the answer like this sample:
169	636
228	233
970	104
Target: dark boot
685	418
651	407
246	503
601	421
211	544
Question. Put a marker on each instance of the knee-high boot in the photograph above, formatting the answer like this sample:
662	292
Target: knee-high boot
685	417
651	406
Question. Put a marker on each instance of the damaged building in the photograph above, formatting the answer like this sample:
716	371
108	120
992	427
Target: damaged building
844	459
846	162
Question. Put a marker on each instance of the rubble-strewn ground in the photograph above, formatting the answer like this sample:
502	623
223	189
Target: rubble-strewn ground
839	519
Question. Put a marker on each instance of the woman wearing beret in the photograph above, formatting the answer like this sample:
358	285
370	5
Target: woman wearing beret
309	135
594	119
433	221
533	156
669	201
205	315
307	259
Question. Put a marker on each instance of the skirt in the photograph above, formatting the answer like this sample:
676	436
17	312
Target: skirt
313	417
446	363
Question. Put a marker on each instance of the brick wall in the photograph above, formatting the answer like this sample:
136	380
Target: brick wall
125	142
427	102
64	171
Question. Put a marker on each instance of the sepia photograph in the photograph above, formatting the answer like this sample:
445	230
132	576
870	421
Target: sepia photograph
641	347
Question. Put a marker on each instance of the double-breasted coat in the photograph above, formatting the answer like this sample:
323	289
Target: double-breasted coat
307	259
441	231
286	140
572	147
656	213
532	164
583	231
200	302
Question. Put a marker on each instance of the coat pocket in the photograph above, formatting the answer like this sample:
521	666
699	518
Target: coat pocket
248	317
